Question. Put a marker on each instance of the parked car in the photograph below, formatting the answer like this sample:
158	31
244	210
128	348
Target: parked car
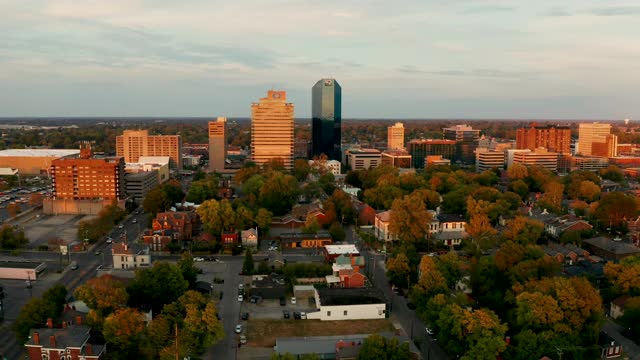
283	302
429	331
241	286
238	329
134	221
285	313
240	298
293	300
303	315
198	259
74	266
120	226
256	299
109	240
296	315
243	339
245	316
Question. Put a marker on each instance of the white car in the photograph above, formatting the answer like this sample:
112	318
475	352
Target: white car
238	329
293	300
273	248
198	259
243	339
134	221
240	298
303	315
109	240
429	331
120	226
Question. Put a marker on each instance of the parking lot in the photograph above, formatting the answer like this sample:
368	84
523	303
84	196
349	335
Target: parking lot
39	228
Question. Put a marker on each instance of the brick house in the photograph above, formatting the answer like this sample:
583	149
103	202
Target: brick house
157	240
557	226
183	223
229	238
351	278
70	342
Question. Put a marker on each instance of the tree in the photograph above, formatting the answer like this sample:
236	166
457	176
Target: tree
517	171
216	216
244	218
614	208
36	311
12	238
337	232
382	197
263	220
103	296
612	173
123	331
480	230
13	209
398	269
247	265
625	276
278	193
552	197
154	287
377	347
631	317
156	201
430	281
520	187
449	266
589	191
301	169
523	230
410	220
188	269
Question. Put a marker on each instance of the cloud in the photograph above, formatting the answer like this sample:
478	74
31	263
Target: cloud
485	9
487	73
616	11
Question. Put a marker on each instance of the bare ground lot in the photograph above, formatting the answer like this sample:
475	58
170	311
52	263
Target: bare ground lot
263	332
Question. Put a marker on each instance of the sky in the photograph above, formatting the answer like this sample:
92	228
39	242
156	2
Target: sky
400	59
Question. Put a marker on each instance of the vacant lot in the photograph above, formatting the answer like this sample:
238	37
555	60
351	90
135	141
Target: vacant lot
263	332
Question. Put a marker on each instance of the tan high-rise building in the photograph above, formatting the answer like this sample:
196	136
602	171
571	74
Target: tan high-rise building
589	133
272	129
217	143
133	144
395	136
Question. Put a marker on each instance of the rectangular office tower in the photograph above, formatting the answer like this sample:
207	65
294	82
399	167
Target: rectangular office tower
554	138
590	134
326	118
217	144
133	144
272	129
395	136
466	139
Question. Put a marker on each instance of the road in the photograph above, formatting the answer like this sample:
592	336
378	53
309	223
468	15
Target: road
628	346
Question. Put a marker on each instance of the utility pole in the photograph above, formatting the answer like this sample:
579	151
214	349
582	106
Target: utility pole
177	352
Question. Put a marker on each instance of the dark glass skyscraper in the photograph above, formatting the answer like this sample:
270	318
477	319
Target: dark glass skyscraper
326	118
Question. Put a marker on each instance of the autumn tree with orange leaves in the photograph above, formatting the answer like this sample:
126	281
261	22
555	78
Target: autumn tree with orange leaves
103	295
123	331
624	276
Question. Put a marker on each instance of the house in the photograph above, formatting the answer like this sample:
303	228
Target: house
130	256
610	249
70	342
559	225
340	347
331	252
609	347
617	306
346	272
351	278
157	240
566	253
268	286
301	211
286	222
183	223
229	238
451	222
249	237
349	304
301	240
381	226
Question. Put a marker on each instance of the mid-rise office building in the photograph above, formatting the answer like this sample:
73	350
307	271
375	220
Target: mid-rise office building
607	147
133	144
589	133
361	159
272	129
489	159
138	184
590	163
540	157
419	149
466	139
554	138
399	158
326	118
217	144
395	136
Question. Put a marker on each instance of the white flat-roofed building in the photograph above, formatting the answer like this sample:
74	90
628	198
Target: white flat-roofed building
349	304
333	251
34	161
488	159
540	157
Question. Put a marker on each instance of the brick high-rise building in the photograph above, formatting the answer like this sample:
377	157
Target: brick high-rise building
554	138
133	144
88	179
217	143
395	136
589	133
272	129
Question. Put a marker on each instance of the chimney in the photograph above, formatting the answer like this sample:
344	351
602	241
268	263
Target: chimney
36	338
88	350
78	320
52	341
50	323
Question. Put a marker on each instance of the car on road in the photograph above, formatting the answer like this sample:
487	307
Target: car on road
303	315
429	331
243	339
293	300
273	248
238	329
74	266
198	259
285	313
255	299
244	316
120	226
97	252
134	221
240	286
109	240
240	298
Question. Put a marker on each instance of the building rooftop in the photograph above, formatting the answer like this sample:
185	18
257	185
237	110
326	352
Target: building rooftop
384	216
161	160
451	218
122	248
615	247
20	264
40	152
341	249
432	141
325	345
72	336
350	296
293	236
364	151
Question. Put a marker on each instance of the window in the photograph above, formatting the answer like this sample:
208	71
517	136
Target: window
328	313
345	313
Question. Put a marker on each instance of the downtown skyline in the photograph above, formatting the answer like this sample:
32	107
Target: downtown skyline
471	59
